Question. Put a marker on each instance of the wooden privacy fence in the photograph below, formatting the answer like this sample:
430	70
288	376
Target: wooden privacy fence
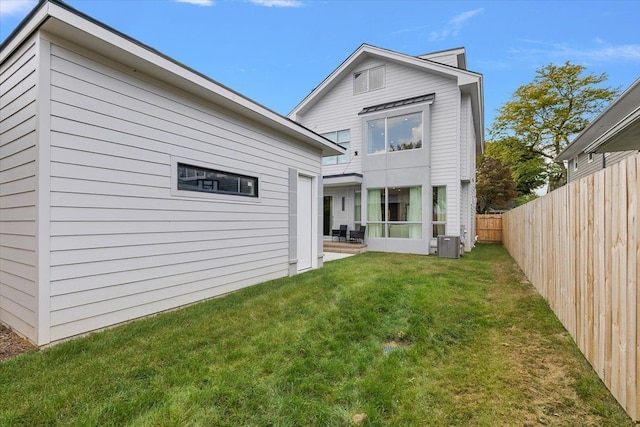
489	228
580	246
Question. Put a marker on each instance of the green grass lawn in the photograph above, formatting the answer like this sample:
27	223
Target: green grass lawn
375	339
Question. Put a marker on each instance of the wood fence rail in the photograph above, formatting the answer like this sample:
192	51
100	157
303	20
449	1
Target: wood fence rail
580	247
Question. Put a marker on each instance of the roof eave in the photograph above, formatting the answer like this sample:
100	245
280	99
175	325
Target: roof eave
368	50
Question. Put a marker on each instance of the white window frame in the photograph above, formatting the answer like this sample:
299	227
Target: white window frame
339	159
590	158
575	163
367	72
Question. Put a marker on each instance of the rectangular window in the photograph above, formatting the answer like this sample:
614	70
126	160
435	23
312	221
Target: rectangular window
575	163
357	209
195	178
395	133
395	212
439	211
590	158
343	139
366	80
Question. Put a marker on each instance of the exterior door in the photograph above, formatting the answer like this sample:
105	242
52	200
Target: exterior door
326	222
305	222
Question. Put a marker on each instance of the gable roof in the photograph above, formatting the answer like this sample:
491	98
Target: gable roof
59	19
617	128
468	81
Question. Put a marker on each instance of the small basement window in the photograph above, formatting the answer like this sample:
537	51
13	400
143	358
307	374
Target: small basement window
196	178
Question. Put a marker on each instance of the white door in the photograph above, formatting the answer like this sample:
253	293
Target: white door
305	224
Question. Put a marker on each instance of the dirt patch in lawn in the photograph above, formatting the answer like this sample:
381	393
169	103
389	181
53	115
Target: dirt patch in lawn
544	367
11	344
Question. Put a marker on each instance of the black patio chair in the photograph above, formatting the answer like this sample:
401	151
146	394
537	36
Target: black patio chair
357	235
341	233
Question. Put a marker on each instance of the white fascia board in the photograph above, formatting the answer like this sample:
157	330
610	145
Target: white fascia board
38	19
463	76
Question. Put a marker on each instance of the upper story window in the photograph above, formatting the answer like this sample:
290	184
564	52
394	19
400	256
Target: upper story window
370	79
575	163
343	139
590	158
195	178
395	133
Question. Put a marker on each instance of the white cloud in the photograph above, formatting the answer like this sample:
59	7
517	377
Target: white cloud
600	53
455	25
16	7
197	2
277	3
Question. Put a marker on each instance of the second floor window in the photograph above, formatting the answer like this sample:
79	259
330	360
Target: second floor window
396	133
343	139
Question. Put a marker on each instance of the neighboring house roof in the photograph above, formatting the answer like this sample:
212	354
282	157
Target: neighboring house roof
59	19
617	128
468	81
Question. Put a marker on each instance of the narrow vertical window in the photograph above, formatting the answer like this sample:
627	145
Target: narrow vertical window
439	211
357	209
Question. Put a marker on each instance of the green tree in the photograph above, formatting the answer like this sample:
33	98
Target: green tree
495	187
536	124
529	170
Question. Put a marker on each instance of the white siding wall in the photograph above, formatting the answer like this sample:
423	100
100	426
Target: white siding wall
339	109
122	246
18	207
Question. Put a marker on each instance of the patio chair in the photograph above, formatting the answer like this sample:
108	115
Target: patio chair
357	235
341	233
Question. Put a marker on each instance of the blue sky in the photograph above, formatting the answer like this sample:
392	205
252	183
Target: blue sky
277	51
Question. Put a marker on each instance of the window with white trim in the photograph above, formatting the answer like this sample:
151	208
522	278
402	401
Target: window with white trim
575	163
343	139
367	80
196	178
590	158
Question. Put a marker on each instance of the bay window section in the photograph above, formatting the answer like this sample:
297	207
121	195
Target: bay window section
395	212
397	133
439	211
343	139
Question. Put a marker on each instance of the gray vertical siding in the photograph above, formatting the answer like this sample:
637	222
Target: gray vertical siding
18	195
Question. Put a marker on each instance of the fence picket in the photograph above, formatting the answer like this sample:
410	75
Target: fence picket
580	247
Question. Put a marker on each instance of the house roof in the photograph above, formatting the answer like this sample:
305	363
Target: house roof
59	19
468	81
617	128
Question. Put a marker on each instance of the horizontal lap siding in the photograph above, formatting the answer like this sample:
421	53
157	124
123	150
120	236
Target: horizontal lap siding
18	305
122	246
339	109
